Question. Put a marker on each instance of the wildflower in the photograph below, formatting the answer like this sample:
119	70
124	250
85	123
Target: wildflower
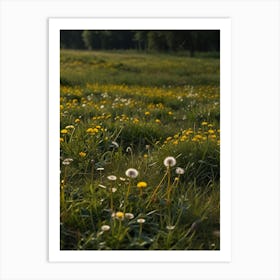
64	131
115	144
157	121
131	173
82	154
129	216
180	171
147	113
170	227
92	130
142	185
67	161
70	127
145	155
100	169
119	215
211	131
112	177
105	228
170	113
77	120
204	123
122	179
61	139
113	190
169	161
141	221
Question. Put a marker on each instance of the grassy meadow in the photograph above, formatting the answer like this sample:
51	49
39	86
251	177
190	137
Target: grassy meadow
140	151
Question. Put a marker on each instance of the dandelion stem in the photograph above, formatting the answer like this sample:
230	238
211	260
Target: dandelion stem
111	197
168	184
156	189
140	230
62	188
92	173
126	196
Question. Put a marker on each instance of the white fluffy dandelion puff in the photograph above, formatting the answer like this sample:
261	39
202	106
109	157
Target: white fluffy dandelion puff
169	161
131	173
112	178
179	171
115	144
129	216
170	227
105	228
67	161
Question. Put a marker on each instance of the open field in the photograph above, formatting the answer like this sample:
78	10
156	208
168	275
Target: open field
158	114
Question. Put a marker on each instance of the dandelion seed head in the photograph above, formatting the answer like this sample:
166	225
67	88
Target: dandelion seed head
169	161
129	216
105	228
131	173
67	161
115	144
180	171
113	190
170	227
141	221
112	177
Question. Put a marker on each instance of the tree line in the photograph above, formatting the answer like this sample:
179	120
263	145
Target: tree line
143	40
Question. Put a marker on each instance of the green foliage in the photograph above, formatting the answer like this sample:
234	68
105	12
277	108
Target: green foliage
122	110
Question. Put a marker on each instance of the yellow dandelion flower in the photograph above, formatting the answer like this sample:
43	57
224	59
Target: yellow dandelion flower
157	121
142	185
211	131
119	215
77	120
145	155
64	131
204	123
61	139
183	138
170	113
82	154
147	113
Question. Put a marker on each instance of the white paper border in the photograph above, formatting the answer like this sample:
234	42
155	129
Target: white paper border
222	24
